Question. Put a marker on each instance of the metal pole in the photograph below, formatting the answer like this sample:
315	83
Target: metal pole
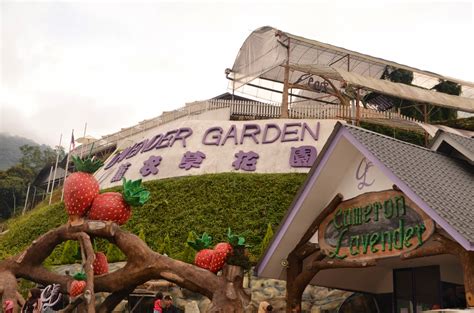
65	174
34	197
67	166
49	179
14	202
284	100
82	145
55	169
26	200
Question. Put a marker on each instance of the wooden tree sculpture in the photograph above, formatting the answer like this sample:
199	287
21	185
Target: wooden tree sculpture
108	211
143	264
298	277
443	245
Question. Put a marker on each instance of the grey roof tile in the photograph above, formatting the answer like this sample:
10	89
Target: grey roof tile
445	184
466	142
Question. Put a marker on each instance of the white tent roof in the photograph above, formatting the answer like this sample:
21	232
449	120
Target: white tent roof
390	88
264	51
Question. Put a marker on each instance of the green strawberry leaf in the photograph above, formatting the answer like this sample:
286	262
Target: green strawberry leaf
201	243
134	193
88	165
235	240
80	276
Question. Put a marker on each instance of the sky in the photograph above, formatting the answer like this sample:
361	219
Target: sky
112	64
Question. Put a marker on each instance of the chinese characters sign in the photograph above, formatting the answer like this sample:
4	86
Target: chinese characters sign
199	147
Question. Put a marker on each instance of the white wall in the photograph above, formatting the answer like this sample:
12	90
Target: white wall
273	157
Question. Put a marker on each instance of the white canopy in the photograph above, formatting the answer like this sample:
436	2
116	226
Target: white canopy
265	51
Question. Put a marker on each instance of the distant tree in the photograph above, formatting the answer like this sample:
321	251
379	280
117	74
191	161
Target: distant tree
410	108
450	88
10	192
35	158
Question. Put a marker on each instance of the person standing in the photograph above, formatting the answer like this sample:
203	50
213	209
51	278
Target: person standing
157	305
168	306
33	304
8	306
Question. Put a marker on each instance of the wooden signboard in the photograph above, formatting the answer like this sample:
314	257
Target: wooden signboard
374	225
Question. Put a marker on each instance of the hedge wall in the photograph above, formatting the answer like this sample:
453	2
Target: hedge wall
400	134
209	203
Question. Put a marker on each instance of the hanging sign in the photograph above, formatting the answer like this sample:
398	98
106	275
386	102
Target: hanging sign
374	225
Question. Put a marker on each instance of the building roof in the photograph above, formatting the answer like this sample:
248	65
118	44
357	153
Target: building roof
454	145
466	142
265	51
441	185
444	183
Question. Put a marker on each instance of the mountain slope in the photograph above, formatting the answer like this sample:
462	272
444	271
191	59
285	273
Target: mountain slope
10	152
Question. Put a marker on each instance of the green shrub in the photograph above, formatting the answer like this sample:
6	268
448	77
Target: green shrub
165	247
205	203
400	134
114	254
188	253
142	235
69	254
266	239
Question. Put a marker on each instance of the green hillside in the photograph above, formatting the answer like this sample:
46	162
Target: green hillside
210	203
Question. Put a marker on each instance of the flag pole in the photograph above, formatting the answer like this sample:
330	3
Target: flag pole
55	169
84	136
49	179
71	143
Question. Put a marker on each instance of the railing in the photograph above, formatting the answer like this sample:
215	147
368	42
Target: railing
246	110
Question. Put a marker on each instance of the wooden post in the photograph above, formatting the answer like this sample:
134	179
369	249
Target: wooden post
426	120
298	278
467	262
357	107
293	291
444	245
284	100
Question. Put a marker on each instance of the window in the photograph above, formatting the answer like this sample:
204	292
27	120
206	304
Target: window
416	289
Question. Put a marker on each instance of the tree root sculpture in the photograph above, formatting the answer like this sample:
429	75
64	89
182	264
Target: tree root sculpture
225	291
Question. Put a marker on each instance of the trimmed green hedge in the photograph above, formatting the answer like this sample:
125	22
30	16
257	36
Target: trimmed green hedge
208	203
400	134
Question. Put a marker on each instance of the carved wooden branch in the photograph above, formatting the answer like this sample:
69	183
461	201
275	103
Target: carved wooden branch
88	251
444	245
440	245
113	300
331	263
71	307
142	265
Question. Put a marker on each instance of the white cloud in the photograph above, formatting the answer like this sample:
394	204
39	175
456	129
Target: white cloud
114	64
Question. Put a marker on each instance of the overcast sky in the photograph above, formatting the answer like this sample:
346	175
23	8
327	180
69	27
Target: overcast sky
114	64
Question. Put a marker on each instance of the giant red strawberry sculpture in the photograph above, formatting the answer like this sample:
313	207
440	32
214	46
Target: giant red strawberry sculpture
100	265
80	188
77	286
116	206
210	259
